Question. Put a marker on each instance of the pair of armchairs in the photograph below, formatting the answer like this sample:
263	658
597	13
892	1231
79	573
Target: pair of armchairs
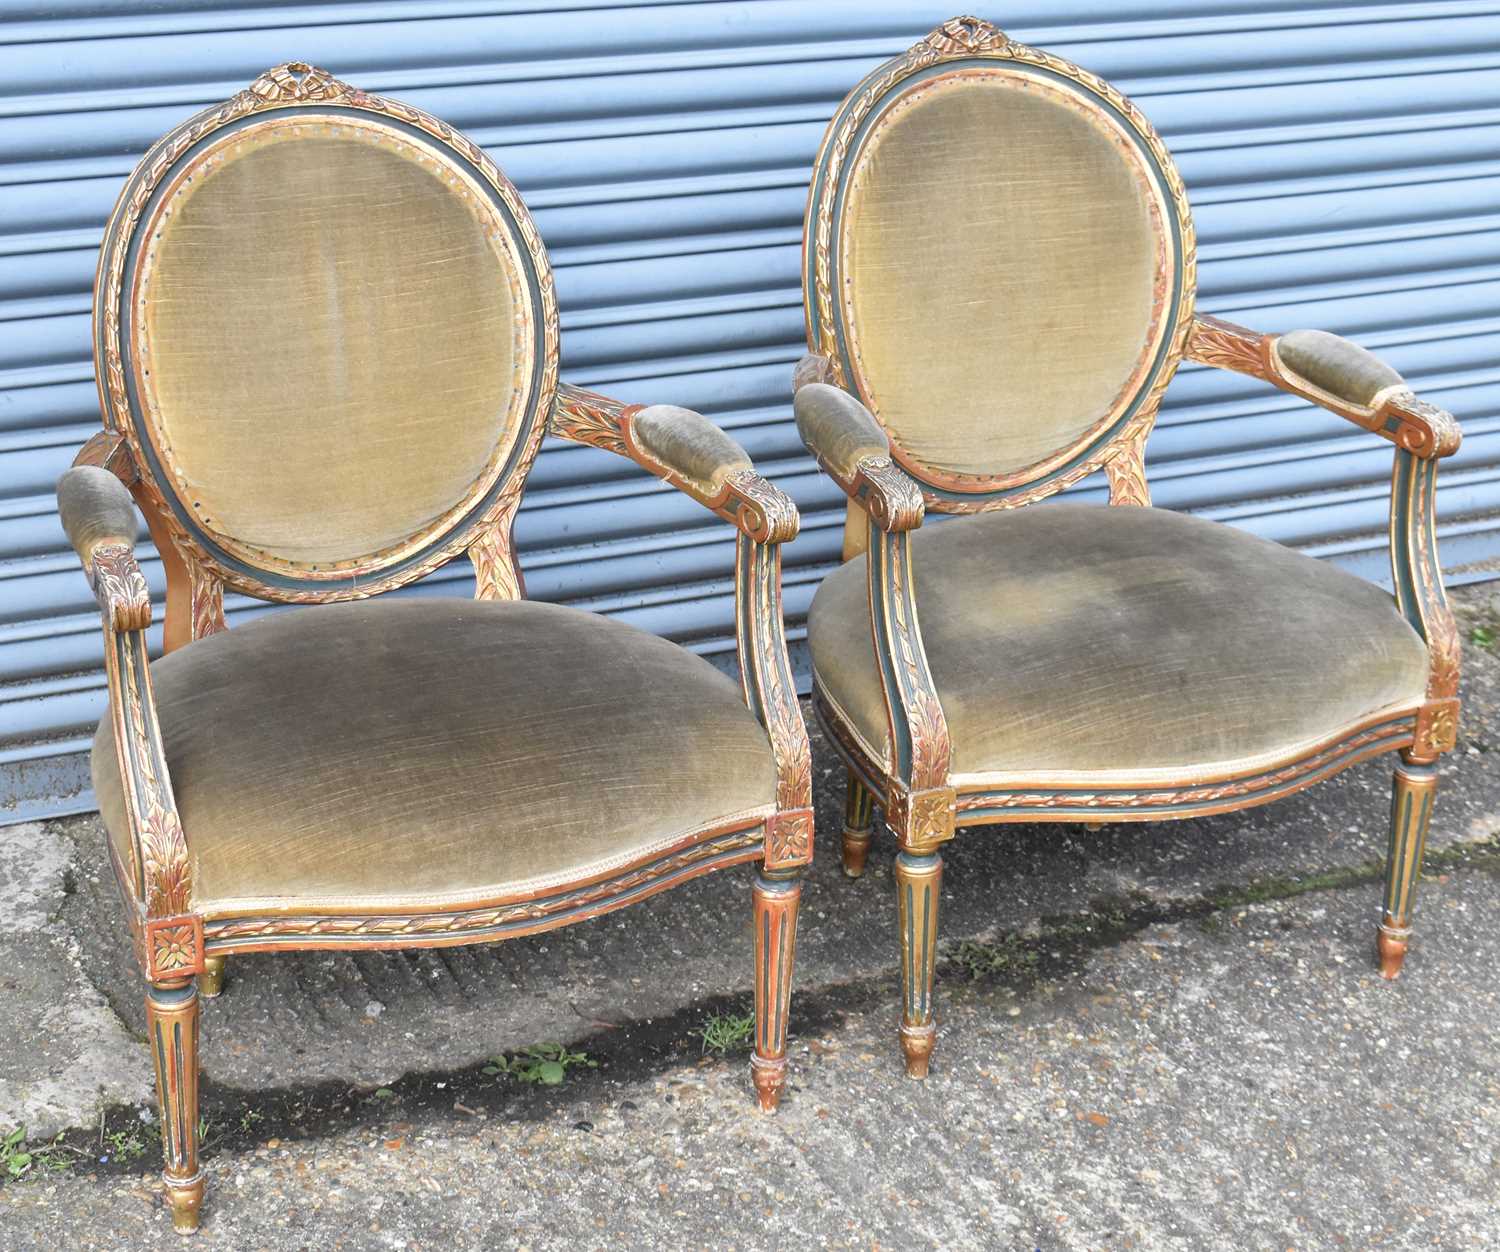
327	345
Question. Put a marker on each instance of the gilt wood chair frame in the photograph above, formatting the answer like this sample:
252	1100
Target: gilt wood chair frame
181	951
923	800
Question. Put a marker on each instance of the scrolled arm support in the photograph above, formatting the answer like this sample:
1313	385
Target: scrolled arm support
1346	379
688	451
1334	374
99	518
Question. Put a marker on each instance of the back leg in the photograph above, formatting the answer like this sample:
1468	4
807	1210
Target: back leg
859	821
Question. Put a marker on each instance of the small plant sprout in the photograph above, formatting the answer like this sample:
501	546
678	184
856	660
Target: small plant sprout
725	1032
544	1063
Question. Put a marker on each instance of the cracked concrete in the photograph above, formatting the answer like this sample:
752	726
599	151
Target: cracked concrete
71	1054
1184	1048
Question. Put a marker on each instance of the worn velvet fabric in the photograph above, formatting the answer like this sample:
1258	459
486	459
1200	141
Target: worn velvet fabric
336	339
837	427
1068	637
95	508
690	444
436	750
1335	365
1006	267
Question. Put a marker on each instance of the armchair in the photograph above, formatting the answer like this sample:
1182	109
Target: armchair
999	284
327	347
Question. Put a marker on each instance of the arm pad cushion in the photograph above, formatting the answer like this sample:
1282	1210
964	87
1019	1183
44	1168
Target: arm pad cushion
838	428
96	508
1343	369
689	444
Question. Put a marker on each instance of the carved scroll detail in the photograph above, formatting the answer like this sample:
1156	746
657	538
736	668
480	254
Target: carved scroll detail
120	587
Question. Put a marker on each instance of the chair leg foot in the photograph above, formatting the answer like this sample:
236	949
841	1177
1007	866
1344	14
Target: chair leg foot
186	1203
1391	949
859	822
769	1077
918	881
172	1027
775	914
211	980
916	1048
1411	809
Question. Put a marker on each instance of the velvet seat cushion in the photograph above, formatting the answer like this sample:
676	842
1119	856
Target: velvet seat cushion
430	751
1074	638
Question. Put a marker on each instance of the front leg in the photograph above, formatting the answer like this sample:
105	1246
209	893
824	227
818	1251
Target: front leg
172	1031
1411	809
919	880
776	900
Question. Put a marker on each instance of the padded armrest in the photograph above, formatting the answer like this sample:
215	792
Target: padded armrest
96	509
852	449
99	518
1334	374
837	428
1335	365
690	445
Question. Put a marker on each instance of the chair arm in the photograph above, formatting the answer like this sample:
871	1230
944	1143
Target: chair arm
1334	374
99	518
684	449
1346	379
853	451
687	450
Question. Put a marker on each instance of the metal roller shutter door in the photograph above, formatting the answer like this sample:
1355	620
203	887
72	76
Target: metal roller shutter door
1344	163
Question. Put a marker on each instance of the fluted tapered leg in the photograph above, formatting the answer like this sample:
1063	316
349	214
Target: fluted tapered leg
211	980
1411	810
859	821
172	1028
776	901
918	882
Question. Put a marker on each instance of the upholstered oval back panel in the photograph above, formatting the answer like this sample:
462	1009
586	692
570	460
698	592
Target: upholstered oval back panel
335	336
997	251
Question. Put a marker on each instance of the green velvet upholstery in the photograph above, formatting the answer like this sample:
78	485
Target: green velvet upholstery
432	751
1065	637
1335	365
837	428
690	444
1005	269
96	508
